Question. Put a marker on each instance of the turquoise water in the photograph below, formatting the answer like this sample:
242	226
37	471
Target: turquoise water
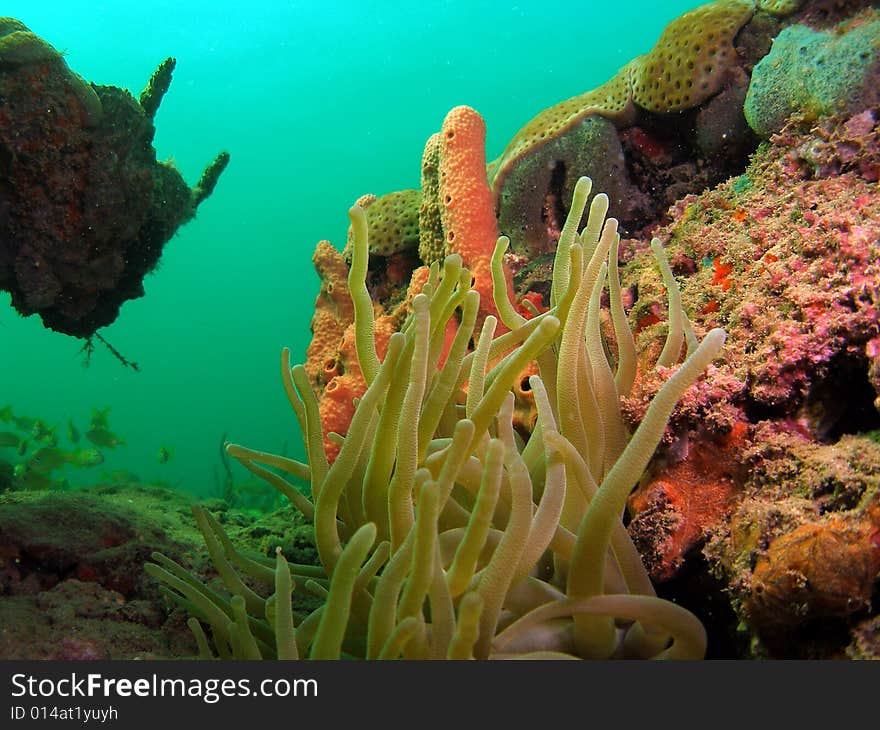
316	106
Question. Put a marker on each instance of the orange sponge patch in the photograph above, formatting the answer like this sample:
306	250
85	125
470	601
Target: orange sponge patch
466	208
334	312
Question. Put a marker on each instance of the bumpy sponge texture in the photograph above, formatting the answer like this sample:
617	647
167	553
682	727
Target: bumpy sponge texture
612	100
432	242
687	65
688	62
779	7
393	221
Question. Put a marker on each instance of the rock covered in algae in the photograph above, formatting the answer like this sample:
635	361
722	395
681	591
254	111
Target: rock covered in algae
70	575
71	578
768	480
85	208
816	73
592	148
800	552
784	256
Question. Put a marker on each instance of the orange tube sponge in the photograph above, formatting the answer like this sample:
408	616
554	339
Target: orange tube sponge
466	207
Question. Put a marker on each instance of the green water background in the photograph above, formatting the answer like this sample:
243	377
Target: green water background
317	106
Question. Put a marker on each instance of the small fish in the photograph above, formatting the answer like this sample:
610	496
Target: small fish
164	455
22	424
43	433
30	479
72	432
9	440
99	418
86	457
23	447
104	438
47	459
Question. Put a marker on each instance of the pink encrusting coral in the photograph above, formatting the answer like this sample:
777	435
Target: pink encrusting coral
785	257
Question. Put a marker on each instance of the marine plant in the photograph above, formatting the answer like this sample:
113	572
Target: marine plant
442	532
252	495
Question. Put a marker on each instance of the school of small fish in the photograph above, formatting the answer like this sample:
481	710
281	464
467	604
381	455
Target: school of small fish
30	446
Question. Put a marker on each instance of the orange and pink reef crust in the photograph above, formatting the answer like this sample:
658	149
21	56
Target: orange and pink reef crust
776	240
785	258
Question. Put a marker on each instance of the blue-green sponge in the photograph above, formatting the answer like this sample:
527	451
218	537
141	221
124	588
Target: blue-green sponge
814	73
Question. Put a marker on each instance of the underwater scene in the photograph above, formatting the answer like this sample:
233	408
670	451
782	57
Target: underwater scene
440	330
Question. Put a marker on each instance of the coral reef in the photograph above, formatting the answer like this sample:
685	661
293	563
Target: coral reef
458	212
686	66
633	131
783	256
647	138
671	122
479	411
451	538
85	208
